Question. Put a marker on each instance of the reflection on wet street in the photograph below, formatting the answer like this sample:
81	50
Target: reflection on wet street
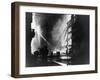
37	61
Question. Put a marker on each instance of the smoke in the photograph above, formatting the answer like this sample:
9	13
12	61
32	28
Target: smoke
35	43
60	34
52	30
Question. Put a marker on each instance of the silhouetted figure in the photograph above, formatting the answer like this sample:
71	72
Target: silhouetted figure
51	54
58	54
44	52
32	33
66	52
36	53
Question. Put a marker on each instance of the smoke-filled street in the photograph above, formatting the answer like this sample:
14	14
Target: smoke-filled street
56	39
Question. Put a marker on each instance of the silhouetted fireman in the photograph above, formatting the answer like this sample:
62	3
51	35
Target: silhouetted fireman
32	33
36	53
58	54
51	54
44	52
